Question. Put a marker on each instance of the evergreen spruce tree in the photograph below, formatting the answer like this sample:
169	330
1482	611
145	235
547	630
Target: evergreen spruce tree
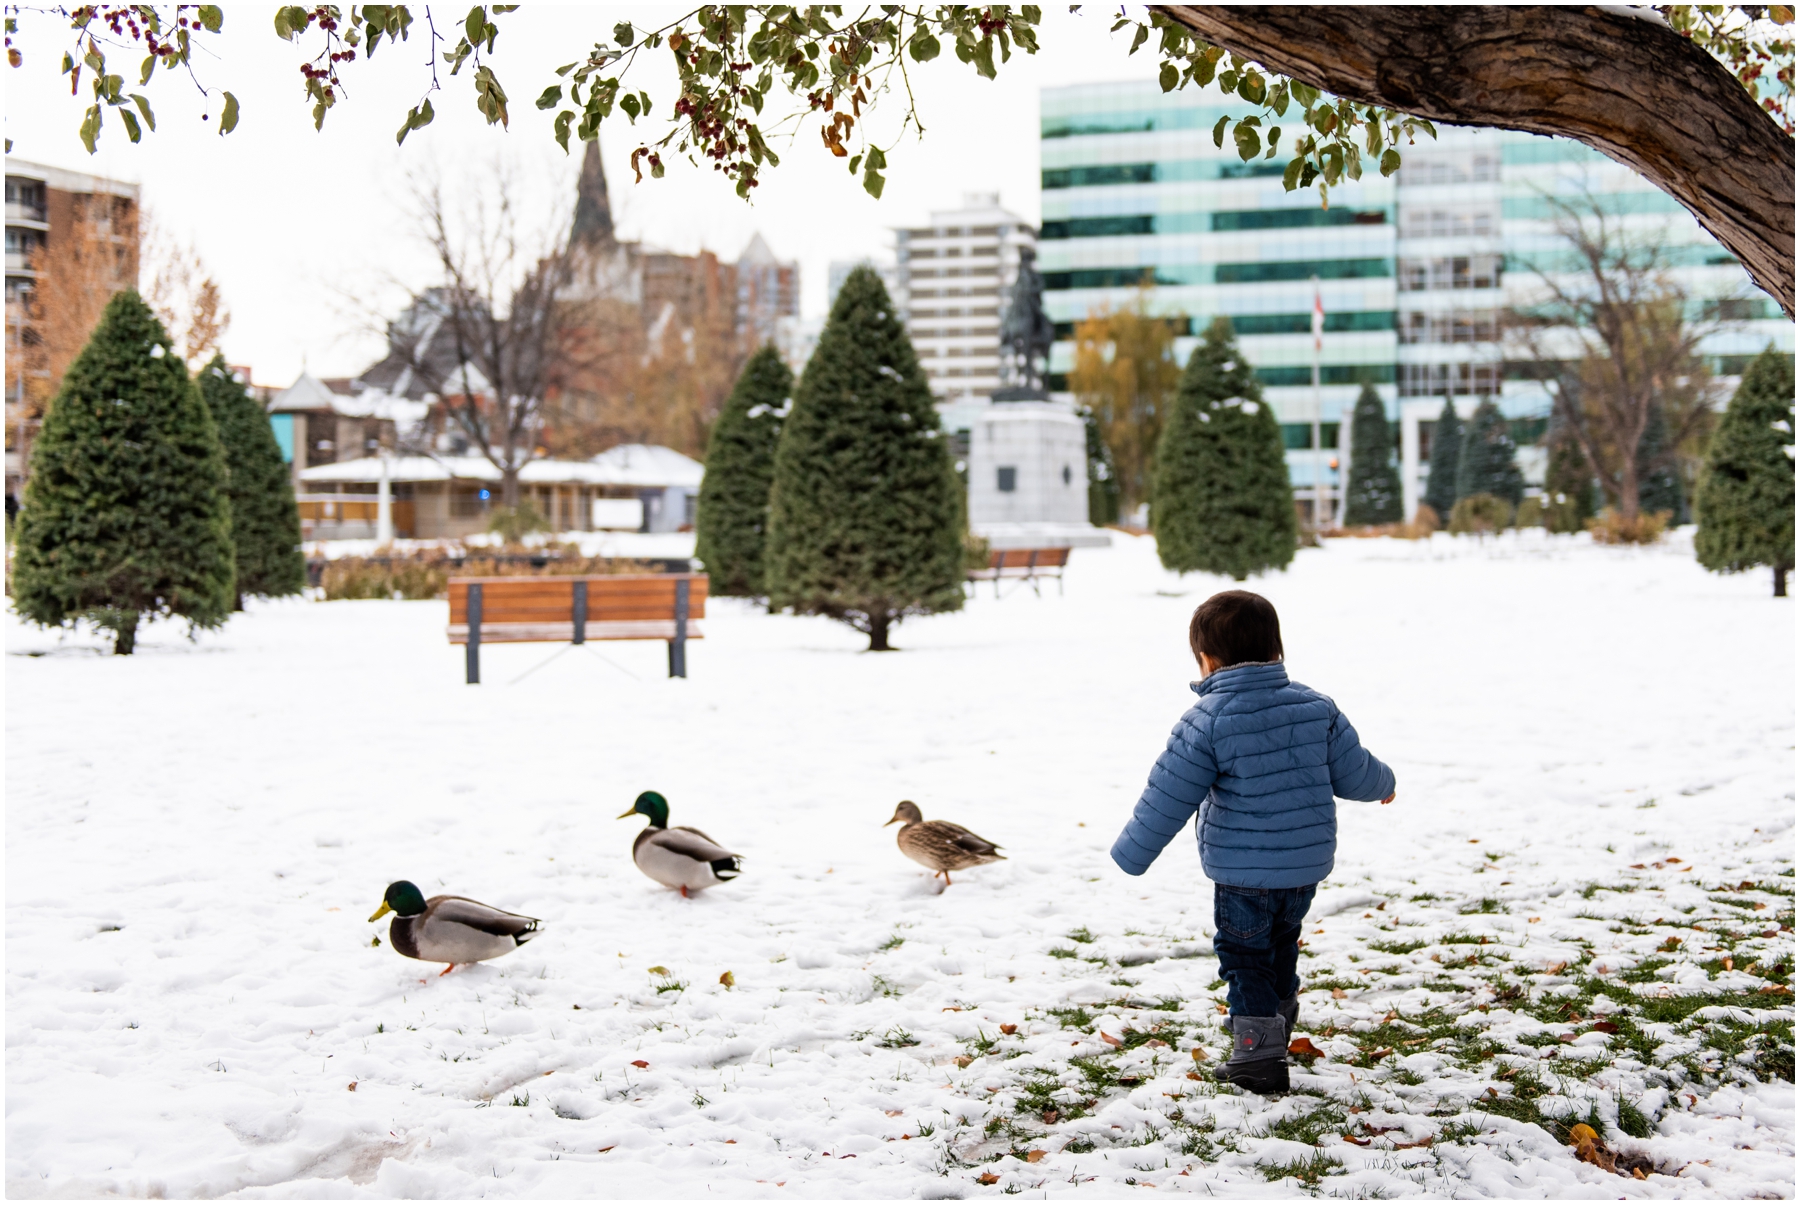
125	512
1103	475
1745	503
867	515
1573	496
265	521
1221	499
1485	464
1446	459
1374	490
1659	484
732	520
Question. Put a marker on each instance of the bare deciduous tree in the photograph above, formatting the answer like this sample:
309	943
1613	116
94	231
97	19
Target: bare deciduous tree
492	340
184	295
1613	339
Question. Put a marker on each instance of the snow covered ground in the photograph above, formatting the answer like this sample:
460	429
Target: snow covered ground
1595	758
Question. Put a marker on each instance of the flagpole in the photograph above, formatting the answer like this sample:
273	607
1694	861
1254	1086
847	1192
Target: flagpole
1318	443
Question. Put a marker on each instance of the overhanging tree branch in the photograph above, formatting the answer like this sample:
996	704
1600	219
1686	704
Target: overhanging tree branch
1626	85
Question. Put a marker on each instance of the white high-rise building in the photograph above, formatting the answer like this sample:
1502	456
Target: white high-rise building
955	275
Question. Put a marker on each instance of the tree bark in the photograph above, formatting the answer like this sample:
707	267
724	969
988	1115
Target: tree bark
1627	86
125	636
878	632
1780	582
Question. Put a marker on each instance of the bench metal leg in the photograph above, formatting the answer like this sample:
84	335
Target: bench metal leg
472	651
678	646
580	612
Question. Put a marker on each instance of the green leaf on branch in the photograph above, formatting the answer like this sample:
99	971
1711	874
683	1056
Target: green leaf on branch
90	128
1290	179
212	17
629	103
290	21
416	119
143	105
1249	142
490	98
1219	131
1168	77
551	97
228	117
623	34
562	129
1390	161
923	47
131	125
149	69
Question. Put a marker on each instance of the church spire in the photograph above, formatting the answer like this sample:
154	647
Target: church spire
593	209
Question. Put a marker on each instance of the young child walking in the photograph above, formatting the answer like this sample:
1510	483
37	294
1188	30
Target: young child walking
1260	758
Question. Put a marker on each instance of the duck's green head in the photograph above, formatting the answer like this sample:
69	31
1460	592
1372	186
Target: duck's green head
402	899
652	805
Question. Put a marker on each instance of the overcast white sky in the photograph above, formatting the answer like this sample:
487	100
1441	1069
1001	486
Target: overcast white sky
295	223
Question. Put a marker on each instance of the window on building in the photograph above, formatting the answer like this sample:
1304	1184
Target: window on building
1449	223
1434	380
1453	326
1450	272
1008	476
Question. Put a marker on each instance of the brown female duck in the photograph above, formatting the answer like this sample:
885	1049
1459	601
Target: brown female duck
940	845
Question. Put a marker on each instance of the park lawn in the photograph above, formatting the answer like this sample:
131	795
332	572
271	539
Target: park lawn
1595	757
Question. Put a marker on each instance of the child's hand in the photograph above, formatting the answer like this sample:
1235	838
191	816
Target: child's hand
1390	798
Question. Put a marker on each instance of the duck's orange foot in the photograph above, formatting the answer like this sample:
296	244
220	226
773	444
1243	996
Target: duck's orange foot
685	895
446	970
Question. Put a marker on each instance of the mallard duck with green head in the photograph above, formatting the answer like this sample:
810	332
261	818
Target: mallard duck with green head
450	928
683	858
940	845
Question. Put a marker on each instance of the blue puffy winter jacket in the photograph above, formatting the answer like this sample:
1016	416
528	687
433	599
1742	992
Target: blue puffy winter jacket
1260	759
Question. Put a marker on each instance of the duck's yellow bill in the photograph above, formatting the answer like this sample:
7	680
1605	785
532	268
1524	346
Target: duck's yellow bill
381	911
626	815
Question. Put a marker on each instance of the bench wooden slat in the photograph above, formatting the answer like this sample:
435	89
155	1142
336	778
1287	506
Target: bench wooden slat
513	633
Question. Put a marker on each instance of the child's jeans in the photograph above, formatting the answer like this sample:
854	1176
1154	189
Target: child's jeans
1258	944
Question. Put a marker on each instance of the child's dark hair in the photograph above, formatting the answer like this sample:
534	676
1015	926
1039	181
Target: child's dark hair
1235	626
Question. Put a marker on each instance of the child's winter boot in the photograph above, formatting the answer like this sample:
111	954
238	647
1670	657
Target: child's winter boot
1290	1014
1258	1055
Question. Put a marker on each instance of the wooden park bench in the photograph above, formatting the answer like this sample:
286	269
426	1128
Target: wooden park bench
1023	564
622	606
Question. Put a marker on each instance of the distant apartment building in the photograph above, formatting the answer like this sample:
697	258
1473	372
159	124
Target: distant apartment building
1414	271
954	274
71	243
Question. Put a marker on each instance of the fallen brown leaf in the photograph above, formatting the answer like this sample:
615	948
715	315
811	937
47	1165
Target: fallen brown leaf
896	1112
1377	1055
1035	1156
1353	1140
1109	1039
1606	1027
1009	1028
1195	1075
1338	993
1304	1048
1165	1045
987	1178
1199	1054
639	1063
352	1087
963	1060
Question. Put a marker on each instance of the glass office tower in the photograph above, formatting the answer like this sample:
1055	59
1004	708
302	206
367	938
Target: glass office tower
1414	271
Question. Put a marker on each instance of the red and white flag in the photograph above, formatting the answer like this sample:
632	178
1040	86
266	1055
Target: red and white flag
1318	318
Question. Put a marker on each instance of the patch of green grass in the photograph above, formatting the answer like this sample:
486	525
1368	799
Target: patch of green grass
1424	897
892	943
897	1039
1645	971
1326	984
1062	951
1485	906
884	986
980	1044
672	985
1399	947
1094	1070
1308	1171
1309	1127
1073	1018
1632	1120
1464	939
1081	935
